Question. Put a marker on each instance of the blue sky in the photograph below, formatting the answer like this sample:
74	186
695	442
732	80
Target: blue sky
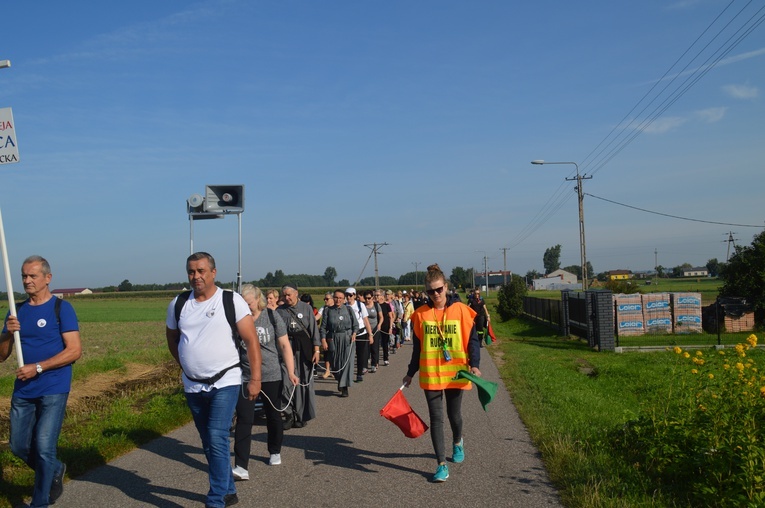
355	122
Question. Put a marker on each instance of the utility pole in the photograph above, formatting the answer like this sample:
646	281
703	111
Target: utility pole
504	269
375	249
580	196
730	240
416	273
655	265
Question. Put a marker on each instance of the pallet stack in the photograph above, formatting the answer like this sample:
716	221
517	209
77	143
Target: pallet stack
657	313
686	308
629	315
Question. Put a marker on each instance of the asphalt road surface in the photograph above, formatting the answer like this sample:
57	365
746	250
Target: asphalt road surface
348	456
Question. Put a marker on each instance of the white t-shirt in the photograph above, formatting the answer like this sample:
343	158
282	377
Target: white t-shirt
206	346
361	313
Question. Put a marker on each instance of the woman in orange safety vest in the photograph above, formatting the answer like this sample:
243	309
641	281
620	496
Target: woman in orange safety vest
444	342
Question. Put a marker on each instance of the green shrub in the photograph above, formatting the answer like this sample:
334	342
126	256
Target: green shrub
510	298
704	442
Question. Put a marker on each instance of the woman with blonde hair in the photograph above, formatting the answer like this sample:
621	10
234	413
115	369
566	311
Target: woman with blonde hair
272	335
444	342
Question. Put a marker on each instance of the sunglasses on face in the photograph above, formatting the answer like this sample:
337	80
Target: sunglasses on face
435	291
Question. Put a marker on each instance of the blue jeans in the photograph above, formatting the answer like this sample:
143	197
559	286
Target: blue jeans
35	427
213	412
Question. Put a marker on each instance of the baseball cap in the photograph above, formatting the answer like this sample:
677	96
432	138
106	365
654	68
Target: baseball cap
351	291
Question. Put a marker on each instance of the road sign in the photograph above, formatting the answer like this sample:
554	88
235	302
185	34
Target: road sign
9	149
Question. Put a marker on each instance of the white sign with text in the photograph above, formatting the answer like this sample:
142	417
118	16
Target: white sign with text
9	148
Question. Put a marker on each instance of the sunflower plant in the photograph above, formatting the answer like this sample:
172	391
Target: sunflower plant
703	440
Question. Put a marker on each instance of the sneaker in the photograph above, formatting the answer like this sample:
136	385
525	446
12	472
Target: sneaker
57	487
230	499
386	362
458	453
442	473
275	459
344	392
240	473
359	379
373	369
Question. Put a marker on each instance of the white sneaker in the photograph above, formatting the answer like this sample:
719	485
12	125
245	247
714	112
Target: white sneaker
275	460
240	473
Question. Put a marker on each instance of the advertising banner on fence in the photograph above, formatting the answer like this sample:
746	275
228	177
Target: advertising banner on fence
9	150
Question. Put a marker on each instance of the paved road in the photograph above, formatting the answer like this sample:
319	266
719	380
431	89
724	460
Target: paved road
349	455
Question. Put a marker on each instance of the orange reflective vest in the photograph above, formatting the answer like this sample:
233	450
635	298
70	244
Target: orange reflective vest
439	330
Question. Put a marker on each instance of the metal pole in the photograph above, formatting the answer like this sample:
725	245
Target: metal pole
486	274
504	265
239	272
580	198
9	288
191	235
582	244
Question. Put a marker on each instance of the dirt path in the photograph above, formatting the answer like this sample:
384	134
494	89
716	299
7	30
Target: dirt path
99	386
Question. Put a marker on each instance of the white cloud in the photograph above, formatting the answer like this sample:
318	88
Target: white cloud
711	115
663	125
741	91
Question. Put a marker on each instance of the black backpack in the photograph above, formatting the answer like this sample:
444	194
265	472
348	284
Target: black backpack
228	307
57	309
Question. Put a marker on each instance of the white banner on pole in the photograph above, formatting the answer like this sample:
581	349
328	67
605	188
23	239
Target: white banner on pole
9	148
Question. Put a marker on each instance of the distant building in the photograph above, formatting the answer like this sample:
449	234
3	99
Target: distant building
698	271
557	280
496	279
619	274
63	293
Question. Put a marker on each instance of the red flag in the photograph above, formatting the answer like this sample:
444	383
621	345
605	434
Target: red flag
401	413
491	334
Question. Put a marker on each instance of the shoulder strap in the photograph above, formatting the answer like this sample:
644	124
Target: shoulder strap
228	307
271	318
179	303
56	308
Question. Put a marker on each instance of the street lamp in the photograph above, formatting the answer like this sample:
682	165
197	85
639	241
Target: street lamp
4	64
485	270
580	196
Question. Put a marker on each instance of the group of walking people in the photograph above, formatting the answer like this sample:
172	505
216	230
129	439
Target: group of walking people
233	348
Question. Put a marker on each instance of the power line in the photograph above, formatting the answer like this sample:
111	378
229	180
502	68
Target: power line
674	216
629	134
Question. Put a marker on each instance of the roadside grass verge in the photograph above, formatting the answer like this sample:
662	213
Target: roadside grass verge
127	392
582	409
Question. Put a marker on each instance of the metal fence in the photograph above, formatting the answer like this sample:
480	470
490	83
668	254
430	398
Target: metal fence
590	315
544	310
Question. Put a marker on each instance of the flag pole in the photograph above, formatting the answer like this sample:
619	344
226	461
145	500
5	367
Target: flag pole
9	288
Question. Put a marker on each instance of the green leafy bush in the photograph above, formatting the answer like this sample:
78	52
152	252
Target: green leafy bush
705	442
510	298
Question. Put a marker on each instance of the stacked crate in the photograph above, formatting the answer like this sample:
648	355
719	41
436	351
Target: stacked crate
686	308
657	313
629	315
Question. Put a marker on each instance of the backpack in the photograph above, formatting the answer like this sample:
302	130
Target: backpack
228	307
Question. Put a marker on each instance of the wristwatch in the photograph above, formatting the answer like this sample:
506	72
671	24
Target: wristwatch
39	368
